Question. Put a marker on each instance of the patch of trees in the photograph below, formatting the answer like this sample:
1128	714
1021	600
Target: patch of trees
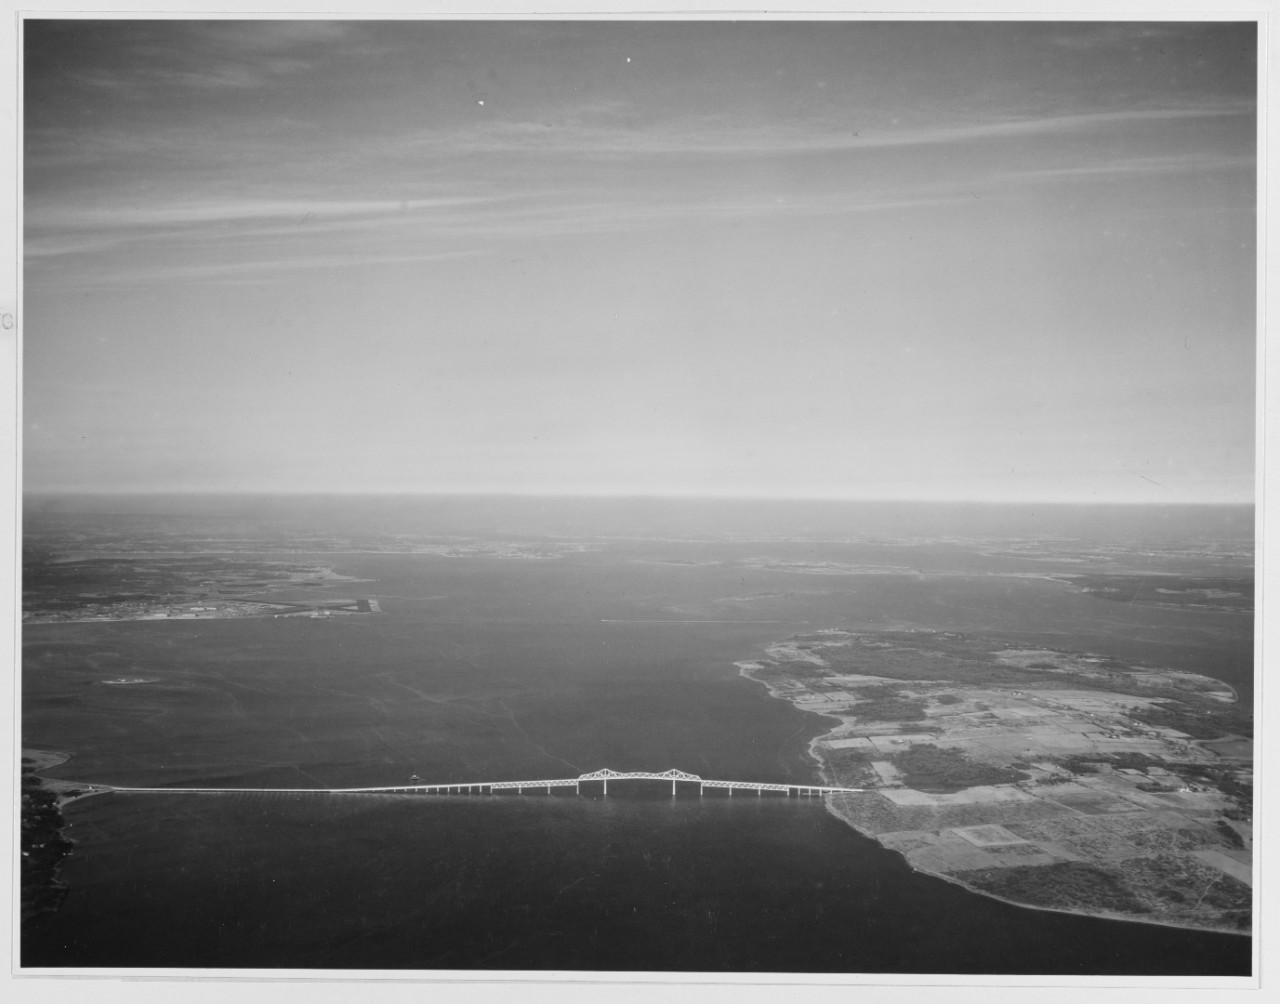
1088	764
913	664
1198	723
966	660
884	704
850	766
43	846
1064	884
1182	879
792	671
931	768
1229	834
803	671
891	710
1224	780
1132	761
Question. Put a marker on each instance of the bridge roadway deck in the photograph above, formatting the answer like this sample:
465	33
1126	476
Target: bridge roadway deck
489	787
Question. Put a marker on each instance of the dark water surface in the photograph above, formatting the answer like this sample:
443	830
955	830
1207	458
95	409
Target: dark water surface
487	669
636	882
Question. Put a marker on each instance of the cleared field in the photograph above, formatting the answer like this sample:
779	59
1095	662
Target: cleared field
1079	796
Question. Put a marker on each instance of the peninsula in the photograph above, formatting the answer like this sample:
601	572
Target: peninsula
1057	780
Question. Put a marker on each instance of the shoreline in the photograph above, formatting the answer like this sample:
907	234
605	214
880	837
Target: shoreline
953	880
747	668
44	845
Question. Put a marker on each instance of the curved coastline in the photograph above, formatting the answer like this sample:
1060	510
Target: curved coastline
44	844
748	669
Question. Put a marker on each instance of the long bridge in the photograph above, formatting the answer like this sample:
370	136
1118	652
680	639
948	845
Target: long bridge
520	787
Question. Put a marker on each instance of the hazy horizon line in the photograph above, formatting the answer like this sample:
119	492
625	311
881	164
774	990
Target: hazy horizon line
616	497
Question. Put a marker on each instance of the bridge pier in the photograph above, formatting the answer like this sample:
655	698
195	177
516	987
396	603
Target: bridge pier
604	776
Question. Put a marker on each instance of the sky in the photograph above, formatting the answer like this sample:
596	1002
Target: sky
864	260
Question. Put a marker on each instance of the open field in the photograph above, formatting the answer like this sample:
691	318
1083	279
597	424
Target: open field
1047	778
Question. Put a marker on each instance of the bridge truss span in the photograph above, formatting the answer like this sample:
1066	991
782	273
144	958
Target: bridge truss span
603	777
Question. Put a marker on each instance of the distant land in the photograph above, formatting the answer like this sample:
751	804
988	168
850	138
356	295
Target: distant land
1049	707
1052	779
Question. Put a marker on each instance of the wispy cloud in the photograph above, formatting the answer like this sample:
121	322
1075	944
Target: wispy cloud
372	233
54	231
274	186
712	137
236	55
268	232
1101	35
595	132
256	271
1131	166
233	210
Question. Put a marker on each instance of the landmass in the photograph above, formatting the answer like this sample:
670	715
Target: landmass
1059	780
1169	591
93	587
140	573
43	843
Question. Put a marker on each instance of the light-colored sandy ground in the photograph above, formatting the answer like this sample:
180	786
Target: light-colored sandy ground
1166	843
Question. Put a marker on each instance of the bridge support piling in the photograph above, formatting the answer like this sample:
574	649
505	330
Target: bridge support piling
493	787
